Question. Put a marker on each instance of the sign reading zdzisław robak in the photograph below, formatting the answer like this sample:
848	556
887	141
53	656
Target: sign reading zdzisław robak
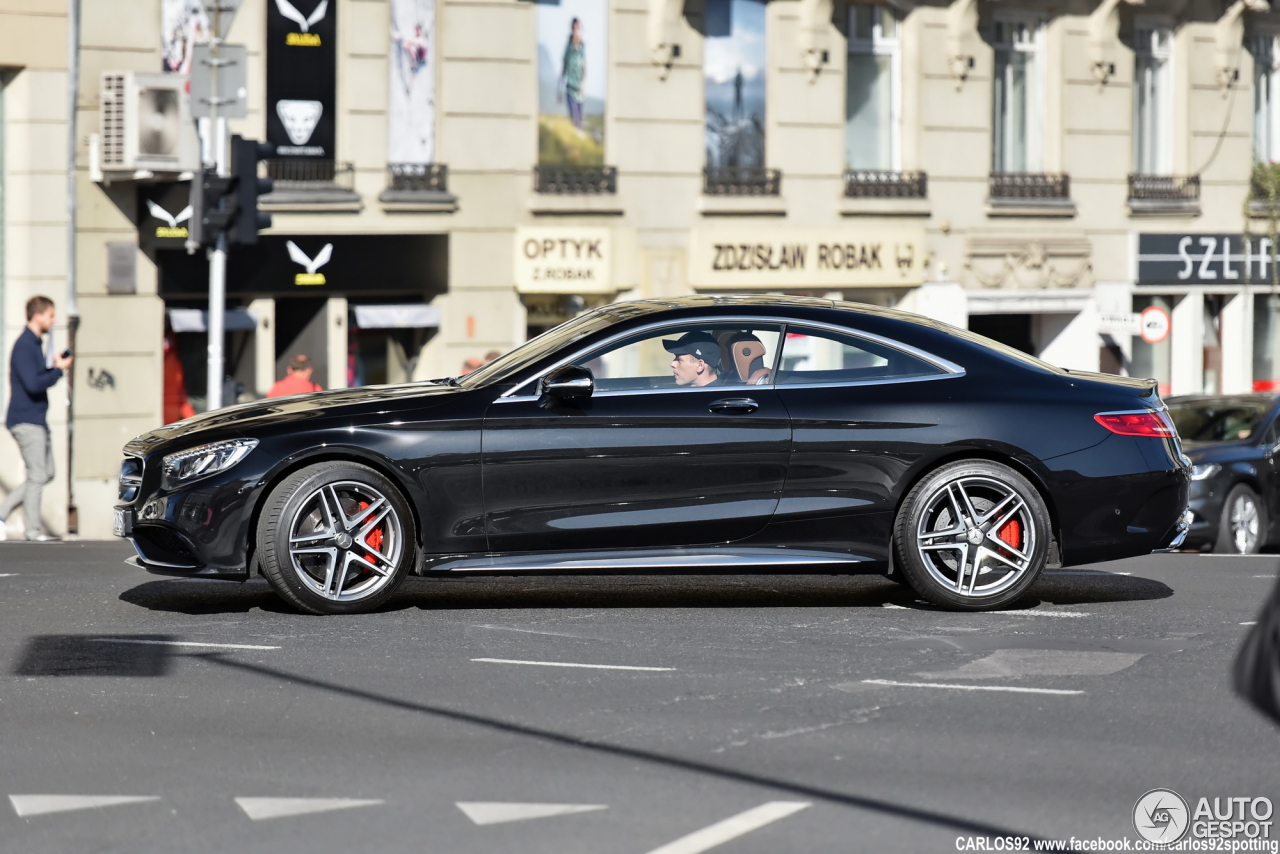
564	260
1204	259
301	77
803	257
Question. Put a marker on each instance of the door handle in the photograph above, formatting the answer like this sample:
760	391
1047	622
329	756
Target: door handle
734	404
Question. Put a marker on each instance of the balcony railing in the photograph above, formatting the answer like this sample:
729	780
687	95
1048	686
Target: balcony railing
419	177
304	175
1029	185
741	181
575	180
1164	188
872	184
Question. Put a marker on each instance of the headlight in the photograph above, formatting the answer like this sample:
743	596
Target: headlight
206	459
1204	470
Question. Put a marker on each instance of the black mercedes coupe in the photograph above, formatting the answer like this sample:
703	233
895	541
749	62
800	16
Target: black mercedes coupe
725	434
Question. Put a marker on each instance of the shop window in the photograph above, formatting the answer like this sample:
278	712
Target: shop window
873	89
1152	100
1266	342
734	76
1012	330
573	70
1018	96
1212	326
1266	97
1153	360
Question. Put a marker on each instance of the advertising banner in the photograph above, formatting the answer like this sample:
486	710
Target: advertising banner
564	260
164	215
772	257
183	25
301	77
573	64
733	65
412	104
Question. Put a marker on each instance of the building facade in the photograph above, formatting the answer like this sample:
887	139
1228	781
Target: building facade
453	176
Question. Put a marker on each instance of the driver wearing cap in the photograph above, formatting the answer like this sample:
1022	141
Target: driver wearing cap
697	359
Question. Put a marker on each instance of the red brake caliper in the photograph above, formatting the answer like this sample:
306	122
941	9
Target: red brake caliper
374	540
1011	533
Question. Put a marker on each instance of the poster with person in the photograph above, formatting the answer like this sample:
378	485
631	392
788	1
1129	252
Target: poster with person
413	82
573	68
183	25
733	68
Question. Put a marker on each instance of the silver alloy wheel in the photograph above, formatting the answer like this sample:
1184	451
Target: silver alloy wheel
959	542
345	541
1243	519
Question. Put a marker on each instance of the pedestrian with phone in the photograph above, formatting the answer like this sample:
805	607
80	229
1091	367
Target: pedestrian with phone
30	379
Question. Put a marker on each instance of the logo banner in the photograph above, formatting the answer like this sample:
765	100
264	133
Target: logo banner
301	77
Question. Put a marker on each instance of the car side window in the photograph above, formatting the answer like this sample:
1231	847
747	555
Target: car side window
821	356
688	355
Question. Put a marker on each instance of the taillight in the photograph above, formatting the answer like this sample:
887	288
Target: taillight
1143	422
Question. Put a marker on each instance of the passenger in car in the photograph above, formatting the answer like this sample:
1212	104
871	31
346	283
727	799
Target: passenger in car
697	359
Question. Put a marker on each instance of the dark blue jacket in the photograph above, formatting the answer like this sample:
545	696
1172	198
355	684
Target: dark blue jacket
29	381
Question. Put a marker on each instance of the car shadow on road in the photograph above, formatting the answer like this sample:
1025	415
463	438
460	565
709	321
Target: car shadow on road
638	591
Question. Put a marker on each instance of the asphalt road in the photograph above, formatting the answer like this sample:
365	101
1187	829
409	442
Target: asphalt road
761	704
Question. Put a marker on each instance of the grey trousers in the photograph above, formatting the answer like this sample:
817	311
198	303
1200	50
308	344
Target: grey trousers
37	453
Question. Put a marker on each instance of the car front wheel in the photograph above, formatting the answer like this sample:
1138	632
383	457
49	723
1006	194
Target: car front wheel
1243	524
335	538
972	536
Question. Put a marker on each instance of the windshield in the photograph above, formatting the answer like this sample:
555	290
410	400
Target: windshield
1218	420
549	342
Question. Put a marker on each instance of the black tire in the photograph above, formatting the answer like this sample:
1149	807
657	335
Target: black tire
322	564
1242	529
1013	533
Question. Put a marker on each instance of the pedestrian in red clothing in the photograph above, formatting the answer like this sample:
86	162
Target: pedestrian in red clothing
297	379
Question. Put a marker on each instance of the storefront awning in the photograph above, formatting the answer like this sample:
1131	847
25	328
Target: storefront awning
407	316
197	320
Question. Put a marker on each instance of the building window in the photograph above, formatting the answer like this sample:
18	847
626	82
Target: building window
573	69
872	114
1152	100
1017	119
734	71
1266	102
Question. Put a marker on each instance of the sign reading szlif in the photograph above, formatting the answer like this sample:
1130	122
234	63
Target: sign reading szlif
803	257
301	77
556	260
1204	259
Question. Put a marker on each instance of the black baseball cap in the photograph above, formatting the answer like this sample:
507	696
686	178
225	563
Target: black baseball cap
700	345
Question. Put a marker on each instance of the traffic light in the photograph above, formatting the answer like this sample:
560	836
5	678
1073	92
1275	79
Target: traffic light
229	204
245	155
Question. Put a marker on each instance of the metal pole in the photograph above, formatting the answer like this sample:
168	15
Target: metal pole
73	306
218	255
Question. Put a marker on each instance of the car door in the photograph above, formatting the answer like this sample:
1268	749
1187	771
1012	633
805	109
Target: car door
641	462
861	415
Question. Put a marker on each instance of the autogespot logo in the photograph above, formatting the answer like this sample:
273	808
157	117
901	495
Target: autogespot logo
1161	815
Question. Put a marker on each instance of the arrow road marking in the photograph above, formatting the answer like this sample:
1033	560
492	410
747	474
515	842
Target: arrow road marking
731	828
1010	688
568	664
25	805
264	808
497	812
182	643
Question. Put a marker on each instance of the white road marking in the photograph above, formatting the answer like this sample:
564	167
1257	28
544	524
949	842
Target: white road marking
25	805
731	828
1009	688
499	812
894	607
1083	572
1264	576
1250	623
182	643
569	664
259	809
1018	663
7	574
1036	612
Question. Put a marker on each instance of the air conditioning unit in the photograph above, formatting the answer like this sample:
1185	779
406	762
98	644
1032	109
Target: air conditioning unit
146	124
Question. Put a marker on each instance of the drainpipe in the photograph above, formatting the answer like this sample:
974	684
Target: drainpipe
73	308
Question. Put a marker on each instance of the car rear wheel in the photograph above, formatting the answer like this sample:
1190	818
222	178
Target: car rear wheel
1243	523
972	536
335	538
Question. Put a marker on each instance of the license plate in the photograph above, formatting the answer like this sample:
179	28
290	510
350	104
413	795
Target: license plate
117	526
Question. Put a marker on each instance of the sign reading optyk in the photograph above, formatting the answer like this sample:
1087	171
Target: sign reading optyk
564	260
792	257
1204	259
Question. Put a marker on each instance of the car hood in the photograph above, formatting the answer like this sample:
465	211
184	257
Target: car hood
1220	452
235	420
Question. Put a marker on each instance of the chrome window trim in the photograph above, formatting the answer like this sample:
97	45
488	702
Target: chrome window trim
948	368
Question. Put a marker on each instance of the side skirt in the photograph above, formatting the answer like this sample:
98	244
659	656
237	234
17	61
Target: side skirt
745	561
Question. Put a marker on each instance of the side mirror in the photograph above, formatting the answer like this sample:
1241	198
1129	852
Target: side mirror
570	382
